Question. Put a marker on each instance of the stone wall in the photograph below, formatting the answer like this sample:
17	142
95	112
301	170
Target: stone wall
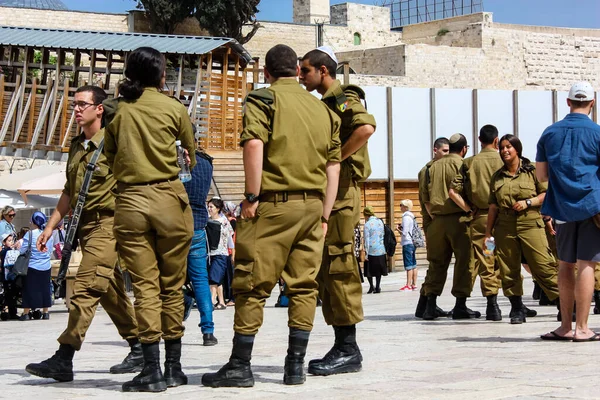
463	31
30	17
310	11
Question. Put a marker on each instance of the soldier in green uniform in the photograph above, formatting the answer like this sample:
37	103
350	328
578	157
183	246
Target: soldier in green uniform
515	221
153	218
291	162
440	149
340	287
447	234
471	191
98	279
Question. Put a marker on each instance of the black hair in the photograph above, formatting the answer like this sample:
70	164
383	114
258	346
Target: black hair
516	143
98	94
457	146
217	202
487	134
145	68
281	62
439	142
317	59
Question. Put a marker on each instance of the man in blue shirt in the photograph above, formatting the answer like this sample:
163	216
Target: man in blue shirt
568	155
197	189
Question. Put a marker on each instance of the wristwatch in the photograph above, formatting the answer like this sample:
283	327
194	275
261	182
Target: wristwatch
251	197
528	202
324	220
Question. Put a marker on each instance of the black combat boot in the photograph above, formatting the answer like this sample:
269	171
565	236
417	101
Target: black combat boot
209	339
492	311
293	372
151	378
58	367
431	308
134	362
421	305
517	313
237	372
343	357
529	313
537	291
174	376
461	311
544	300
596	301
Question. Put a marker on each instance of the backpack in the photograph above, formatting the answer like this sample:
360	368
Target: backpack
417	235
213	234
389	240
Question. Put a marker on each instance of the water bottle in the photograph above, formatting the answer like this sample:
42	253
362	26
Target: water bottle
184	174
490	246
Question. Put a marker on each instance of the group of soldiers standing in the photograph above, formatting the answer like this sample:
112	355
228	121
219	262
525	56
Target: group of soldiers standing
303	160
464	201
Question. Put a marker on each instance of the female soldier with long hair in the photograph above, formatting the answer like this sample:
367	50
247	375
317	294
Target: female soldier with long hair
153	219
516	223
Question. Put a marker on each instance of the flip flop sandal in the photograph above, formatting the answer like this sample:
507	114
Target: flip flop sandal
555	336
220	307
593	338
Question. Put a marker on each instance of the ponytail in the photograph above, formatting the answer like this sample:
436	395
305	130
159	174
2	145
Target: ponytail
131	90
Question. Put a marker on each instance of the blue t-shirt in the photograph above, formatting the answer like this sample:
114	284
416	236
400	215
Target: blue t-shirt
571	148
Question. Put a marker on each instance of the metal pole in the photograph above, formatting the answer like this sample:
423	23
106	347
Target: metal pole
390	137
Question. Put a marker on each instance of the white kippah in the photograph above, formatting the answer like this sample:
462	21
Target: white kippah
329	51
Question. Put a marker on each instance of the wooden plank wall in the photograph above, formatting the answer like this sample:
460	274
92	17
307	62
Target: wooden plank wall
375	195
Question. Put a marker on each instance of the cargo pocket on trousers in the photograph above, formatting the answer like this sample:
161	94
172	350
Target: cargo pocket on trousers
341	259
243	277
102	279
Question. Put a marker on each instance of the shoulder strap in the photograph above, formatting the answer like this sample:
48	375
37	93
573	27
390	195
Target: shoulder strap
83	192
264	95
30	239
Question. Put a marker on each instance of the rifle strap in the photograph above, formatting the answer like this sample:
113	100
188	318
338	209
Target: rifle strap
83	192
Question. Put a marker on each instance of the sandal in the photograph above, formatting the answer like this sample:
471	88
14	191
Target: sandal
220	307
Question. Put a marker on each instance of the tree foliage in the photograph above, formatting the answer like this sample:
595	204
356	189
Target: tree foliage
227	18
165	15
224	18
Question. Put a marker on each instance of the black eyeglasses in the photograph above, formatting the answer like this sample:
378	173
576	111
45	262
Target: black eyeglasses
11	215
83	105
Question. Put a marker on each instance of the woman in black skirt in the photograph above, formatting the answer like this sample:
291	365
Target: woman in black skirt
376	263
36	292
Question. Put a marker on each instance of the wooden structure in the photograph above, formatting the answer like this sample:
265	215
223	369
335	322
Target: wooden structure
40	70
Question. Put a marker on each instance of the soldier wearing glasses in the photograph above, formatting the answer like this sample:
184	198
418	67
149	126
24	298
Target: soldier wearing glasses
98	280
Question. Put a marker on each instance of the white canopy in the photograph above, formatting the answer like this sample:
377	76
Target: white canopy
14	199
18	178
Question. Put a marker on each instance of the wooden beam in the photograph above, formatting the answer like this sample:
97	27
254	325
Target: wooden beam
92	68
516	113
10	113
55	118
194	102
41	117
59	60
65	106
208	98
1	91
432	117
224	68
256	72
21	121
44	66
75	70
22	98
107	71
32	110
346	73
180	75
236	96
390	157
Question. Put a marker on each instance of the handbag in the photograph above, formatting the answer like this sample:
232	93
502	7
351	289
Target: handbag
22	263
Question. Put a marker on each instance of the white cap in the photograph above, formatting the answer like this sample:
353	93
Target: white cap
329	51
5	235
178	143
581	91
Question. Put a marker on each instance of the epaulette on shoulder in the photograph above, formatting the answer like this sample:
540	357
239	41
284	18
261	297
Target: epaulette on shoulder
264	95
353	88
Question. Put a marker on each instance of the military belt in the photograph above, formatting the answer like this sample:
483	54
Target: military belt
282	197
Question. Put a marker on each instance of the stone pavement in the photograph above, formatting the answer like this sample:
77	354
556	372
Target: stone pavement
404	357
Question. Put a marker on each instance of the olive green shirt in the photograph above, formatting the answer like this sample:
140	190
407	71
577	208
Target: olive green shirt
506	190
300	135
441	175
422	177
473	182
99	197
345	102
141	134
